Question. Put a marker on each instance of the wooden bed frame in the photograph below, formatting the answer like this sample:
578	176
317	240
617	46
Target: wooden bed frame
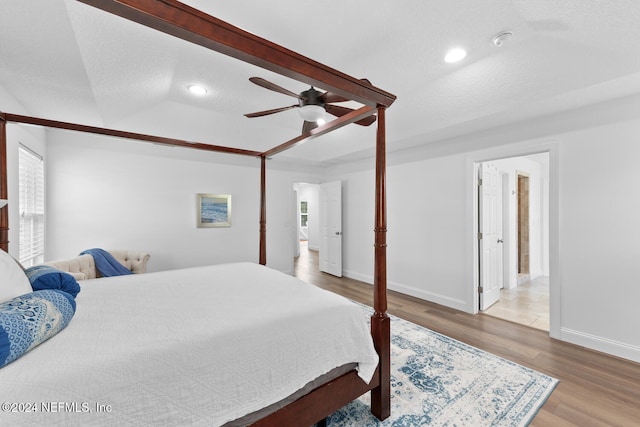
192	25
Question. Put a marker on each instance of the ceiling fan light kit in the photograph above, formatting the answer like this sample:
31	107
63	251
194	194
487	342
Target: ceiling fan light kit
311	113
312	105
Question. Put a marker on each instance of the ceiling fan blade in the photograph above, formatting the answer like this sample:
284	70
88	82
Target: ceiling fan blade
308	127
267	112
328	97
339	111
272	86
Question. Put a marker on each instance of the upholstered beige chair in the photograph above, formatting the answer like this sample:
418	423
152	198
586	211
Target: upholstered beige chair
83	267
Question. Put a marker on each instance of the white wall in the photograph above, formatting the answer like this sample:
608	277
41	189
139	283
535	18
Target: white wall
430	230
426	223
357	224
600	238
111	193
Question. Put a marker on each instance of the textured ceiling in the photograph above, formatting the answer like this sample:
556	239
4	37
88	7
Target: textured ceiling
68	61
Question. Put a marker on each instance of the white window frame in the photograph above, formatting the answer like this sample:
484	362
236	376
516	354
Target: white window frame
304	216
31	206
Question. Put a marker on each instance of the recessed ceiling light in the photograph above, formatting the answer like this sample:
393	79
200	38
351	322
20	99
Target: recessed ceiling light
455	55
197	90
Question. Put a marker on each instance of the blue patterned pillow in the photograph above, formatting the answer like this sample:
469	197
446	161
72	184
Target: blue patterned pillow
31	319
47	277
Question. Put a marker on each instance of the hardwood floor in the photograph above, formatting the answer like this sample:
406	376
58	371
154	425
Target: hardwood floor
595	389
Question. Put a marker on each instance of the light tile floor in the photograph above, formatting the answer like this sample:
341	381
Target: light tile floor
528	304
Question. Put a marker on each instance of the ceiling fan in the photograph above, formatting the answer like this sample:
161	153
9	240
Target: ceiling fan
312	104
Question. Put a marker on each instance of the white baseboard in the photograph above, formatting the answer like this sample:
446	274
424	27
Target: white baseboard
408	290
429	296
605	345
358	276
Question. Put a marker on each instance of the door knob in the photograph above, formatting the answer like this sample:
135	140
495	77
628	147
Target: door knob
500	241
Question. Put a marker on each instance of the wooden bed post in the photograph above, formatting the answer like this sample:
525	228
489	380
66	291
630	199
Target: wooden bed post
263	210
380	322
4	212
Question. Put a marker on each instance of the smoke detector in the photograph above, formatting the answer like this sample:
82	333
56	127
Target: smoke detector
501	37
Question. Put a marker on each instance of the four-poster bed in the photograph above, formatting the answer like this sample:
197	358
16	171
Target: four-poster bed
194	26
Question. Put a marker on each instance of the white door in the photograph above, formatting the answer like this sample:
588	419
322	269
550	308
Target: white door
489	196
500	229
331	228
505	230
296	229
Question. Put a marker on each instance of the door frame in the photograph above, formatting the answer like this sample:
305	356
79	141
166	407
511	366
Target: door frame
517	150
522	175
294	222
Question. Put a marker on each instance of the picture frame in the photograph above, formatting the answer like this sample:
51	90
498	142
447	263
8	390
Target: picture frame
213	210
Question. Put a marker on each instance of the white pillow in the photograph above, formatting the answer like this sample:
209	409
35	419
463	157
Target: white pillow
13	281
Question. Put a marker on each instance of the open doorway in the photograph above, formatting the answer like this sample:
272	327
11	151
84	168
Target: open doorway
523	234
307	230
318	213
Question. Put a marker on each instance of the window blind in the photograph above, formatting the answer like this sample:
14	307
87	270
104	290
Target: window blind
31	177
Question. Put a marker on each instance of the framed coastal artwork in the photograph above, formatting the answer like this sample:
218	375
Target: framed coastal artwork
214	210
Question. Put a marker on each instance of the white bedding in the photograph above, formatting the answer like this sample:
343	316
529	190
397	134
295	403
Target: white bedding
198	346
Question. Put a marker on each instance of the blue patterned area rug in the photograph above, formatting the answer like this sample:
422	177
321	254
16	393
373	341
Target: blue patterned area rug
438	381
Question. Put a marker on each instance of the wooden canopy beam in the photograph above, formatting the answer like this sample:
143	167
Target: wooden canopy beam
15	118
182	21
348	118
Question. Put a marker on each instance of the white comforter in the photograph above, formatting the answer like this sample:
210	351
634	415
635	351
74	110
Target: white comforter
198	346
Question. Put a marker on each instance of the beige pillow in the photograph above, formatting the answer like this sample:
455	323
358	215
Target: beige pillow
13	281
